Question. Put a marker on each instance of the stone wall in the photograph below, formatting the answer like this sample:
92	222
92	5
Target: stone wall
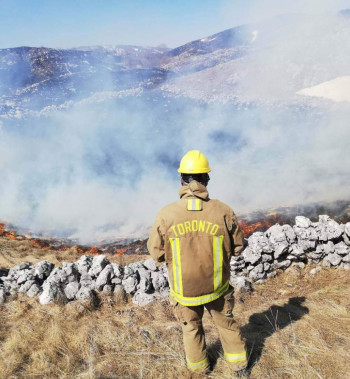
324	243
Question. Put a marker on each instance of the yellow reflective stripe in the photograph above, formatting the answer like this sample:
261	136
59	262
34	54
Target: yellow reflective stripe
217	257
199	300
190	204
197	365
236	357
194	204
177	273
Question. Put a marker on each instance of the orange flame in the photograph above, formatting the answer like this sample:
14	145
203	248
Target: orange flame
93	251
248	229
11	234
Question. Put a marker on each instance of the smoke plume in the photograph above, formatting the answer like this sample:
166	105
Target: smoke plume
102	170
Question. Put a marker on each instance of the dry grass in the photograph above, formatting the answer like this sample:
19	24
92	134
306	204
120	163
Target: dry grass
13	252
295	327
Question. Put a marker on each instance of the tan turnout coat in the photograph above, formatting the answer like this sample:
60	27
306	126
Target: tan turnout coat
196	237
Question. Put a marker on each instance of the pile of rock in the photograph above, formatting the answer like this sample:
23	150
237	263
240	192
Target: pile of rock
84	279
324	242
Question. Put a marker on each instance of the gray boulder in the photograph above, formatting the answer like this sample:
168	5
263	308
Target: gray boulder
276	235
280	249
341	248
150	264
24	276
26	286
141	298
116	281
296	250
135	266
257	272
145	284
289	233
69	273
128	271
259	243
250	256
333	259
71	289
250	268
283	265
302	222
241	284
159	281
99	262
52	291
104	277
130	283
117	270
326	248
55	276
87	281
307	238
266	258
267	266
328	229
43	269
19	271
236	260
34	290
84	264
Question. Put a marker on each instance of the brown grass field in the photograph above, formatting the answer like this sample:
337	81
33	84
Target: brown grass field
295	326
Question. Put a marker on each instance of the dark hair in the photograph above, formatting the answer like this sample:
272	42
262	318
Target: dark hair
201	178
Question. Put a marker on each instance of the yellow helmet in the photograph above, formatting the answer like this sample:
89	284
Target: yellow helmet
194	162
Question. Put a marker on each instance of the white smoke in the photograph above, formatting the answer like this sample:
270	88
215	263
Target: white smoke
103	171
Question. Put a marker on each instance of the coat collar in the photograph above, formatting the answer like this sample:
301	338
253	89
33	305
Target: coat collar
194	189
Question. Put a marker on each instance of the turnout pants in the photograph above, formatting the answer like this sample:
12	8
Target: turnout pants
194	338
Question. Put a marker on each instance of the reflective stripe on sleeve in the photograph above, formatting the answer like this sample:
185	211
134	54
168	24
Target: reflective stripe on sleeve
236	357
199	300
197	365
217	258
177	274
194	204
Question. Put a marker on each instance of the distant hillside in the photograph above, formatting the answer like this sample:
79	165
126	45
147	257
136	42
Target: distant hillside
33	78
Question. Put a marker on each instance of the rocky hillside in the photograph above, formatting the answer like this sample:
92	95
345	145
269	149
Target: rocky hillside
33	78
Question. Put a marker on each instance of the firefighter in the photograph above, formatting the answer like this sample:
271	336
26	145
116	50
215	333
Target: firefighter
196	236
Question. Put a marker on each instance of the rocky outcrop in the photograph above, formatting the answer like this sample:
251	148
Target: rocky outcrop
84	280
325	243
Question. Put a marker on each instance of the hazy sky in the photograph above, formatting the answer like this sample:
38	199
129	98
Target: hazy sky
70	23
